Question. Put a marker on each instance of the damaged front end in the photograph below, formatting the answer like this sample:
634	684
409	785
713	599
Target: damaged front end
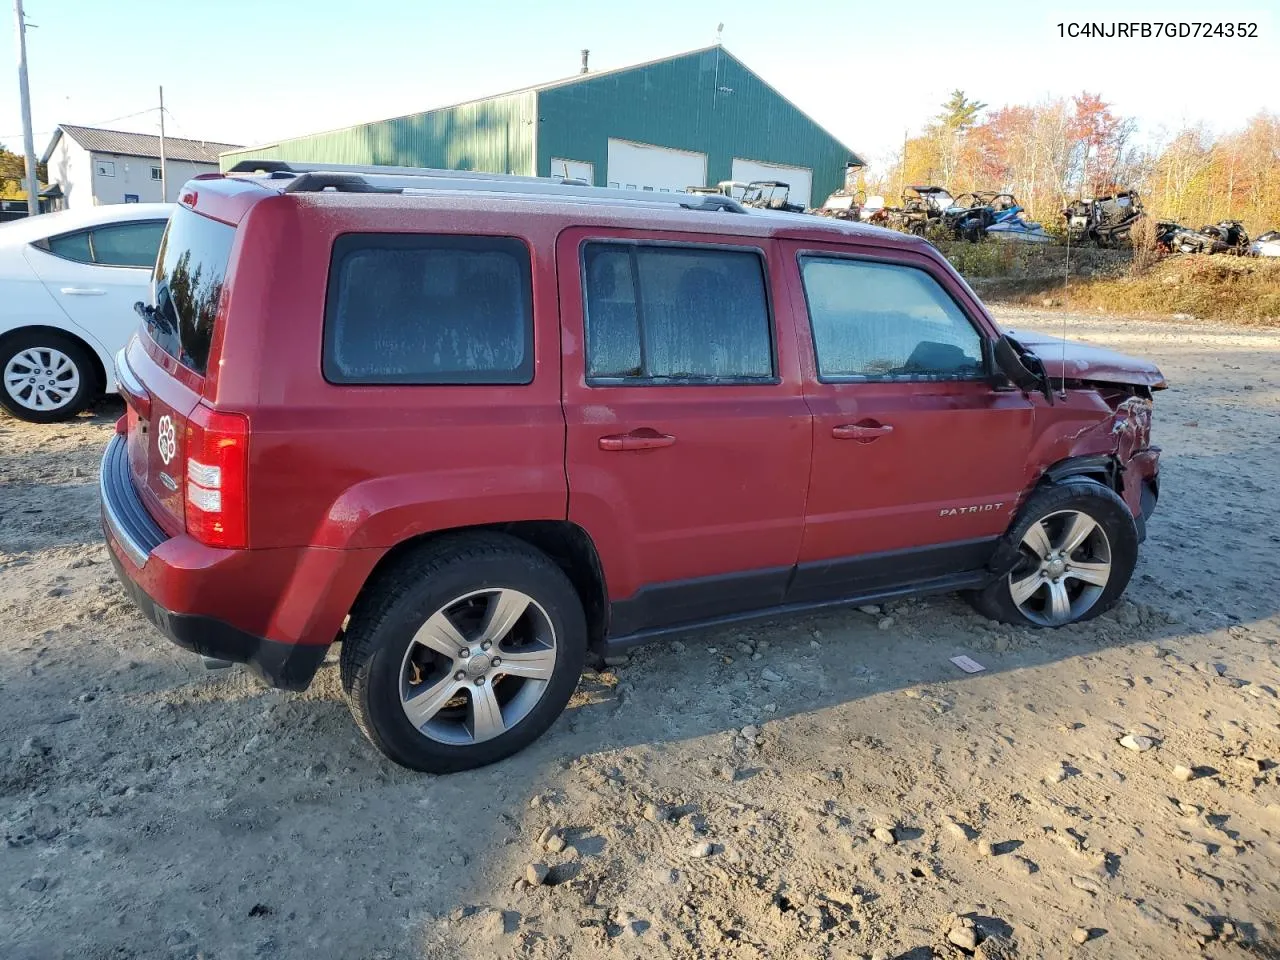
1097	421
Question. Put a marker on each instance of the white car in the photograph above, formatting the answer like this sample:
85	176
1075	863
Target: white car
68	283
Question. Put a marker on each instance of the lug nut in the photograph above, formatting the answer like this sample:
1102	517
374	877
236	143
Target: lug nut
460	675
486	645
479	681
496	662
464	653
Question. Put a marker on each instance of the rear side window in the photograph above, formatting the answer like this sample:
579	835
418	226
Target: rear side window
190	273
671	314
128	244
71	246
429	309
116	245
884	321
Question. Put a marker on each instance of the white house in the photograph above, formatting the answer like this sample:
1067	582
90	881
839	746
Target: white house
93	166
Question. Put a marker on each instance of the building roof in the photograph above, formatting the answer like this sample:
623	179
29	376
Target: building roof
569	81
139	144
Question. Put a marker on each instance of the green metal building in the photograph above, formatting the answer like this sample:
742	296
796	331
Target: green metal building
689	120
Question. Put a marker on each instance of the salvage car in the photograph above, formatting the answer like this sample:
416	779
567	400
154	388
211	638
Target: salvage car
475	439
1267	245
1107	221
68	282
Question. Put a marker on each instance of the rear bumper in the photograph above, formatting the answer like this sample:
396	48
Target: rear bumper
286	665
275	610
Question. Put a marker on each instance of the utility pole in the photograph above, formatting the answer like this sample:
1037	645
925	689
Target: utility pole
164	173
28	141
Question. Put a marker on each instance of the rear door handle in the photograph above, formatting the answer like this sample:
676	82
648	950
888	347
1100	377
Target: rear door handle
83	292
866	432
644	438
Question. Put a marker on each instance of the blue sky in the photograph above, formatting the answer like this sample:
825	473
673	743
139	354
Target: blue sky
250	71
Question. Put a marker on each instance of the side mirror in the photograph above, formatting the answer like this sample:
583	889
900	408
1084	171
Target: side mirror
1023	368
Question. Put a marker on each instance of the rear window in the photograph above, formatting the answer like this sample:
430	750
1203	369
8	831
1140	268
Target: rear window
190	271
428	309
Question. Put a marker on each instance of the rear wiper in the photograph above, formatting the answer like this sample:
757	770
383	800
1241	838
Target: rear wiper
145	311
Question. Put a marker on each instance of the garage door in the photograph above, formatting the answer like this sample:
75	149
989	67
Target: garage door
640	166
573	169
800	178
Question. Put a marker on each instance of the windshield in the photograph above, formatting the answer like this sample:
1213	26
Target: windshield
188	282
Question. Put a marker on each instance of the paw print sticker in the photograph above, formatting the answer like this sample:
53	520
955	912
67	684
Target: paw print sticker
166	440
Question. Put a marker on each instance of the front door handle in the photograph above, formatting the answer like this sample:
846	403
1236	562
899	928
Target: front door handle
645	438
864	432
83	292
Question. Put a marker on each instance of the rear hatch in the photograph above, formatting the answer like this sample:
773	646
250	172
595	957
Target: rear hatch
188	285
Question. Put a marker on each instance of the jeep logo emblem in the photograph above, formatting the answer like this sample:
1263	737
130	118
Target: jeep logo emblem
166	439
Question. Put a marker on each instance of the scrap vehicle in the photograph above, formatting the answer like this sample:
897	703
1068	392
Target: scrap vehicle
725	188
770	195
971	214
1231	233
844	205
1015	228
1226	236
921	206
1107	220
1267	245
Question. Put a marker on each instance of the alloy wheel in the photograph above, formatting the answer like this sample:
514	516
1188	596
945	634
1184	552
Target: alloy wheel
478	666
1064	568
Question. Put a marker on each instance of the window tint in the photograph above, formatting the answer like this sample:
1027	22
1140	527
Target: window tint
189	275
128	244
884	321
71	246
429	309
676	313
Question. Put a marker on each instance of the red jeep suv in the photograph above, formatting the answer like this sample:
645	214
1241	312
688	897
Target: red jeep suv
475	428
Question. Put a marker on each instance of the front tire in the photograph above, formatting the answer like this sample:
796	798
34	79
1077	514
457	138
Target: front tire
1076	546
45	376
463	653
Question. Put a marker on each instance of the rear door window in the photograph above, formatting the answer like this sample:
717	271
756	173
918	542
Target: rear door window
429	309
884	321
676	314
189	277
128	244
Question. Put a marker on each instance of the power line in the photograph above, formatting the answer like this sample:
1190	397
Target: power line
94	123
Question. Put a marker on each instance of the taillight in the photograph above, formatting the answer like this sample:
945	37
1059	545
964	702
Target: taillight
217	500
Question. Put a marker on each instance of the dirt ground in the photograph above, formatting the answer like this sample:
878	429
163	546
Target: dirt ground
821	787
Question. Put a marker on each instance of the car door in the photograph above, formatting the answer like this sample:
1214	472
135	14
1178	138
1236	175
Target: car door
919	455
96	275
688	436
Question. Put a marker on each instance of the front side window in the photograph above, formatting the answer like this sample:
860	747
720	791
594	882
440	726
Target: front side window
675	314
883	321
429	309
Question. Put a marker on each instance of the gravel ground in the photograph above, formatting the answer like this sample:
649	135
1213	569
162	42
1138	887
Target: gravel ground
821	787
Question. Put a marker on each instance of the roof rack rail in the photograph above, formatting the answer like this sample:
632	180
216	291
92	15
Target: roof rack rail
279	168
348	178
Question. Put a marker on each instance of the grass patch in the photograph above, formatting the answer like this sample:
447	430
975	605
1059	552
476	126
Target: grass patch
1140	282
1229	289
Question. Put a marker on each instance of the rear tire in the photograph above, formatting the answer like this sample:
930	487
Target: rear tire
45	376
503	603
1076	544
